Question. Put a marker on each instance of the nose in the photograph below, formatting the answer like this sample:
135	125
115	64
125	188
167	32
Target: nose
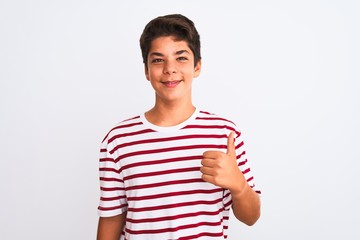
169	67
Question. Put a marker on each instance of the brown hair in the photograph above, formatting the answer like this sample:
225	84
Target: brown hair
177	25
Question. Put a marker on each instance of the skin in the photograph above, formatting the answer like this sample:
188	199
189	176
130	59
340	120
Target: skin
221	169
171	71
110	228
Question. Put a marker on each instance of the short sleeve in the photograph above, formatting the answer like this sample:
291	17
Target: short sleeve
112	191
244	166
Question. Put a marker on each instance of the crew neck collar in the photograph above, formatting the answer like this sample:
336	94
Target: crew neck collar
170	128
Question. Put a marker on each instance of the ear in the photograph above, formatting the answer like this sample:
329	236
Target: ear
197	69
146	72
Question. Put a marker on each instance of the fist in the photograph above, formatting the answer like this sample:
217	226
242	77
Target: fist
221	168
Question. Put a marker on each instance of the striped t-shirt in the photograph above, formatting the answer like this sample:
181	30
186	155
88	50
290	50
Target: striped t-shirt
153	173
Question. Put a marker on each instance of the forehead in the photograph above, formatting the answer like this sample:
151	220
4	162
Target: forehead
168	45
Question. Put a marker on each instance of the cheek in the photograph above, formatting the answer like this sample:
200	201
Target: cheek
154	71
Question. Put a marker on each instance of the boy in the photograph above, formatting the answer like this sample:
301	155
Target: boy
174	171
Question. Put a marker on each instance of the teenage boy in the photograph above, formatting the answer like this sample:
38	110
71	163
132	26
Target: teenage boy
174	171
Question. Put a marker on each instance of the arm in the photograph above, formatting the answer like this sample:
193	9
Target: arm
245	202
110	228
221	169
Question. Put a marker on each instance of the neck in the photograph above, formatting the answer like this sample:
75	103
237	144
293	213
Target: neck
169	115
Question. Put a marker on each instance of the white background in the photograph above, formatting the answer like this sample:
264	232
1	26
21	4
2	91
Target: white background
287	72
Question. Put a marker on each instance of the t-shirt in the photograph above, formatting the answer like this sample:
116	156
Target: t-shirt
153	173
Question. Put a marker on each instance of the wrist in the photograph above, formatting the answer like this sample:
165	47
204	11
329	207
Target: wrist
239	189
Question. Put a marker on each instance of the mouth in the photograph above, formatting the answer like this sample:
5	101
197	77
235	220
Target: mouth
171	84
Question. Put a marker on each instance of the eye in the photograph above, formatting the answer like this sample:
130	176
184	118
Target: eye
157	60
182	58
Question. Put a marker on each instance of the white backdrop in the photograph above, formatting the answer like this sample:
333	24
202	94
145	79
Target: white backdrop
287	72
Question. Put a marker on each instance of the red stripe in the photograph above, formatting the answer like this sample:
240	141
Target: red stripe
242	163
237	133
212	127
112	208
151	174
126	120
167	139
214	118
171	194
127	125
107	160
246	171
110	179
122	126
152	151
153	185
239	145
227	204
111	189
203	234
250	179
152	231
177	159
207	113
129	134
179	216
112	198
109	170
175	205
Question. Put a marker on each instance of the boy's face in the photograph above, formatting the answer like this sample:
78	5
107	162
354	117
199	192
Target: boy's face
171	69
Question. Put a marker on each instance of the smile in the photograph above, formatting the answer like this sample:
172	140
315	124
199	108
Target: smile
171	84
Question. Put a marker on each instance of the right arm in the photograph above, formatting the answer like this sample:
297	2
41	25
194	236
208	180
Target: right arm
110	228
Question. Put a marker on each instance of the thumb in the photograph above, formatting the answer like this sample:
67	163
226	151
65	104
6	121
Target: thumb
231	145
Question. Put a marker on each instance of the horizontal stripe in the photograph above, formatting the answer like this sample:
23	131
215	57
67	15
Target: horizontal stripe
165	172
112	189
212	127
127	125
119	126
174	229
109	170
171	149
214	118
112	198
174	205
156	140
107	159
129	134
178	193
112	208
203	234
111	179
154	185
155	162
178	216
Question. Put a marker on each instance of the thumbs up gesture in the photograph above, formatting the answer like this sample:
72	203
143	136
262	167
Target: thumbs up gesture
221	168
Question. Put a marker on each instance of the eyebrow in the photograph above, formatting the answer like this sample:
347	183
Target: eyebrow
176	53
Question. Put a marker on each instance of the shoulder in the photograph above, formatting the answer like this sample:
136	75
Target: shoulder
213	117
214	120
123	126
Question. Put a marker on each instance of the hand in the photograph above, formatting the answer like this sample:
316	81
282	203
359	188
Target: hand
221	168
